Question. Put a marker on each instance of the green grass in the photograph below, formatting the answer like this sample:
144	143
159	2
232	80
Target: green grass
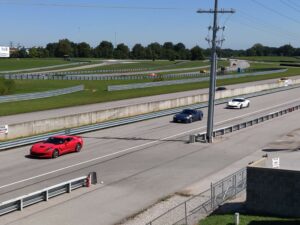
248	220
95	92
19	64
145	65
272	58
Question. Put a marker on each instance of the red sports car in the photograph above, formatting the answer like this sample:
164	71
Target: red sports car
56	146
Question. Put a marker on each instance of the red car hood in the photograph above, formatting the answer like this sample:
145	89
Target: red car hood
42	147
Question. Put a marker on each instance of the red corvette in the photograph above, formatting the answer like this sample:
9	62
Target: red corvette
56	146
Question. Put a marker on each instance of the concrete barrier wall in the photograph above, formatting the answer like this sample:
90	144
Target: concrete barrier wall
273	192
44	126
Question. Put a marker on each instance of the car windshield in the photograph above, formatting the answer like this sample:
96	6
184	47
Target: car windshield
238	100
187	111
56	141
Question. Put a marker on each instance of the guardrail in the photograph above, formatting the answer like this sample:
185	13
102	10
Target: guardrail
202	137
192	210
74	76
88	128
185	81
44	195
38	95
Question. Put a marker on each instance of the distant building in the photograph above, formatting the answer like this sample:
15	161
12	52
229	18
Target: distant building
4	52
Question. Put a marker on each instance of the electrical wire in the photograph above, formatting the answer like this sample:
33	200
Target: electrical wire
276	12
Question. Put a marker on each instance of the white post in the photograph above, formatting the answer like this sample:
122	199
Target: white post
236	218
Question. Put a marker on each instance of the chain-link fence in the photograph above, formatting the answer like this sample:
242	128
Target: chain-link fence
199	206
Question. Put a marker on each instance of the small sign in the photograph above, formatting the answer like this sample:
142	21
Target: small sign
3	129
276	162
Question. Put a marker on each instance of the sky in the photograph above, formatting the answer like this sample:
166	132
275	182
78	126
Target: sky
38	22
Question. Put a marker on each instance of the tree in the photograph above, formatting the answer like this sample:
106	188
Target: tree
104	50
154	51
138	52
121	52
64	48
84	50
286	50
169	52
197	53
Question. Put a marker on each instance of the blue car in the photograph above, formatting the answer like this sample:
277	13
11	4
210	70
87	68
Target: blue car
188	116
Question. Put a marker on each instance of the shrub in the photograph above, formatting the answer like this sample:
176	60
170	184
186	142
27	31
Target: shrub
7	86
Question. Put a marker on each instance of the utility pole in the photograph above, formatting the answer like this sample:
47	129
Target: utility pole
213	68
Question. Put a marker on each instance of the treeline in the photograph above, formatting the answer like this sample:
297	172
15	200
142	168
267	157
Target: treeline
169	50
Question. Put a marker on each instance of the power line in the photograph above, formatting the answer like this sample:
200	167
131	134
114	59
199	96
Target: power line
276	12
290	5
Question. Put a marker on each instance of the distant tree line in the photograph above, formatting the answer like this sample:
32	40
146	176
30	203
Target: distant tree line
153	51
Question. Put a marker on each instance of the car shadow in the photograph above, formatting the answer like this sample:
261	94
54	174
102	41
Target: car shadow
34	157
279	150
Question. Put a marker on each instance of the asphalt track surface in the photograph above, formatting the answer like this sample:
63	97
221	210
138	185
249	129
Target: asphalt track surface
138	163
14	119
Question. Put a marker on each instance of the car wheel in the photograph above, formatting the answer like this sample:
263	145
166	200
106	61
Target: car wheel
78	147
55	154
241	106
248	105
190	120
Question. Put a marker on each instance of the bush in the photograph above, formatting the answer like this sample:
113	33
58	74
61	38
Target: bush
7	86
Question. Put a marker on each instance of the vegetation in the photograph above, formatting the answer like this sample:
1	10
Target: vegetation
6	86
247	220
19	64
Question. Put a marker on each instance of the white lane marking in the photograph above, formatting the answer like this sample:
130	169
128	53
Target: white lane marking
142	145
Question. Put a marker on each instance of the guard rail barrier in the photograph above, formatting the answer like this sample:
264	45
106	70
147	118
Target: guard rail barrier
47	193
202	137
38	95
186	81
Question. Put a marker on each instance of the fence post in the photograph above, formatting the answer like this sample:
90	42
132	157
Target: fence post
211	196
234	183
185	212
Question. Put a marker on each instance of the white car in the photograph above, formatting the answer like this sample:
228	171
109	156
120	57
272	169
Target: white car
238	103
285	81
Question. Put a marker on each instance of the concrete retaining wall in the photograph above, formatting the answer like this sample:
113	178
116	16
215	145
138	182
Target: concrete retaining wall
273	191
43	126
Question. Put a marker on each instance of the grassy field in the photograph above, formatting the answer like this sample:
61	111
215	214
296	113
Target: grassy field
248	220
271	58
95	92
145	65
18	64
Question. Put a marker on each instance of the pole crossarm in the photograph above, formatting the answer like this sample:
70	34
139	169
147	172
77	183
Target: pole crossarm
216	11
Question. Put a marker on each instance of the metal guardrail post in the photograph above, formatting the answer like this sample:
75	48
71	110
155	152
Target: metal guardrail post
211	196
185	212
69	186
21	204
46	197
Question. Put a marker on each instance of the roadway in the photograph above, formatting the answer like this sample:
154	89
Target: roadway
138	163
40	115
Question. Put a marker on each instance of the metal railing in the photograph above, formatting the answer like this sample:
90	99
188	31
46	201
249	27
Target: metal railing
93	127
186	81
199	206
229	129
43	195
80	76
38	95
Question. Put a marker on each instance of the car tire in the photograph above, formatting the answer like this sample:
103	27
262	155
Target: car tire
55	154
78	147
190	120
248	105
241	106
